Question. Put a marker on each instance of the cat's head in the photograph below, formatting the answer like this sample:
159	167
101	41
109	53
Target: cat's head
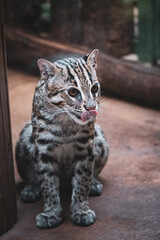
72	86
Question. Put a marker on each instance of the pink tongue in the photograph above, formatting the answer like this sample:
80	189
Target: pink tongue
93	113
87	114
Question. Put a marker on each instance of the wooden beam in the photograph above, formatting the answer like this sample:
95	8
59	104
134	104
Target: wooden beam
133	81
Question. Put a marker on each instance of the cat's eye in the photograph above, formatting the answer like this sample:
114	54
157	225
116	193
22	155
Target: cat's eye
95	88
73	92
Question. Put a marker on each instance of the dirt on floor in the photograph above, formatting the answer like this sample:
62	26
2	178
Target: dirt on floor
129	207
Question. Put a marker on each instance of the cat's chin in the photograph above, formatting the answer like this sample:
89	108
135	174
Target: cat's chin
78	120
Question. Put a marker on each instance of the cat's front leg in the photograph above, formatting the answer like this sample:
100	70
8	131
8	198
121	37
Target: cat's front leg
81	213
48	174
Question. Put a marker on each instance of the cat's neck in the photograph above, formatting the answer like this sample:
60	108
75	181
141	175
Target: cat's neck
64	120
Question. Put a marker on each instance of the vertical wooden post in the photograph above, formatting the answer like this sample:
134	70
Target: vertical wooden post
7	184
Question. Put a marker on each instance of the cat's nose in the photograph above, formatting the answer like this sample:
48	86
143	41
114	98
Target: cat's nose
88	108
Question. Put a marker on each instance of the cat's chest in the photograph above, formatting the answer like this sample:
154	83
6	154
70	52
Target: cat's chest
65	154
70	151
68	144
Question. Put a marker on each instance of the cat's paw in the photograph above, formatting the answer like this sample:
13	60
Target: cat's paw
96	188
83	218
44	220
30	193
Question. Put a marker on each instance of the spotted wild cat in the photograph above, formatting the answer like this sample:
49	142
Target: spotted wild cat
62	140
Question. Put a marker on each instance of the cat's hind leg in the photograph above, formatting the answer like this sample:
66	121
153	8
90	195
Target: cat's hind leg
101	152
25	164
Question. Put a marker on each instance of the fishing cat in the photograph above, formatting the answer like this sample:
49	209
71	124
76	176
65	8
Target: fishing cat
62	139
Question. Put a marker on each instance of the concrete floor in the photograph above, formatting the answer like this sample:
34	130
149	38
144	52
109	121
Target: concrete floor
129	208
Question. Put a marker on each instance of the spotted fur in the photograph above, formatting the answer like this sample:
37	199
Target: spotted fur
57	143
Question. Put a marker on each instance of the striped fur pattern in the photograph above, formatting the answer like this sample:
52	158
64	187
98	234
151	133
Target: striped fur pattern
57	144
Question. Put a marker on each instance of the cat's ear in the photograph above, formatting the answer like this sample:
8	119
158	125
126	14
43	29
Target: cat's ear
92	58
46	68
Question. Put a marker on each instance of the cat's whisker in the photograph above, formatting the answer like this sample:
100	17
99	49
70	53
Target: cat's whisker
103	104
102	100
103	92
101	110
59	111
